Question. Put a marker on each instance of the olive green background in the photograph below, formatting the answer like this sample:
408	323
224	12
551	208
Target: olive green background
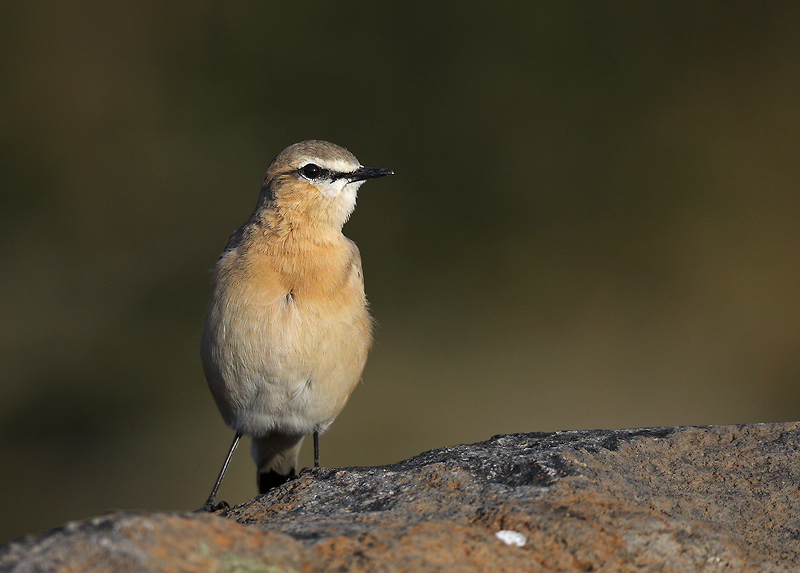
595	223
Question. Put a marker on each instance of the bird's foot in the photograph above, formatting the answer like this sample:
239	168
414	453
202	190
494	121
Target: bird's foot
212	507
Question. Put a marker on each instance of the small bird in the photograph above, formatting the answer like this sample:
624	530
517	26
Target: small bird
287	331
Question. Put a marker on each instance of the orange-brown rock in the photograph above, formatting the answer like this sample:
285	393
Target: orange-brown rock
722	498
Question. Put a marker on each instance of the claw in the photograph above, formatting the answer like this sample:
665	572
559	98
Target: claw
212	507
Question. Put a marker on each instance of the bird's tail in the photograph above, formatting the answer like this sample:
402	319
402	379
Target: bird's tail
276	458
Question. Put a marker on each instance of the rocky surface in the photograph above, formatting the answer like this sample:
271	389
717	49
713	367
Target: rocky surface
722	498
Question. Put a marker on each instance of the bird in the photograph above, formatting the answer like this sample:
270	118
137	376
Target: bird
287	330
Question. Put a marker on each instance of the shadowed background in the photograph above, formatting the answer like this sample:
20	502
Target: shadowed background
595	223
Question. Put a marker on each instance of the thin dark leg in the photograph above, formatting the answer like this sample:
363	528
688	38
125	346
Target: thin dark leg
316	449
211	504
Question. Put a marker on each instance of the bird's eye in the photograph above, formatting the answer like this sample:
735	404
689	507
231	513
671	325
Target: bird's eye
311	171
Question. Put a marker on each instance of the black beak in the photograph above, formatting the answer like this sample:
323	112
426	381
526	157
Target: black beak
364	173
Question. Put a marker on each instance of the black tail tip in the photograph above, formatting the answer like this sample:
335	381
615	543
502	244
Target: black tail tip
272	479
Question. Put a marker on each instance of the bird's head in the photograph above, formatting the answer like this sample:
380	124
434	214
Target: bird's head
317	180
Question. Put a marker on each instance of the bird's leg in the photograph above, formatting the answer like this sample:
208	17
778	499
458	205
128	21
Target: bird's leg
316	448
211	504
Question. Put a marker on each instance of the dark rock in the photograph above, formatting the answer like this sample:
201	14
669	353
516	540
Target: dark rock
662	499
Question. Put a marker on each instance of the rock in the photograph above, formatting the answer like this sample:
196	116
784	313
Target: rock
721	498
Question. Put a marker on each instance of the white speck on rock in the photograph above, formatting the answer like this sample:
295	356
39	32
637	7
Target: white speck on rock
510	537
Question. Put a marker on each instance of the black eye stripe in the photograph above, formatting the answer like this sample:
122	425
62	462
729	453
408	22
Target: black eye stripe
314	172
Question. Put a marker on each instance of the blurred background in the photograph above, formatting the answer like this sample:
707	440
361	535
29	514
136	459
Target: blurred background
595	223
